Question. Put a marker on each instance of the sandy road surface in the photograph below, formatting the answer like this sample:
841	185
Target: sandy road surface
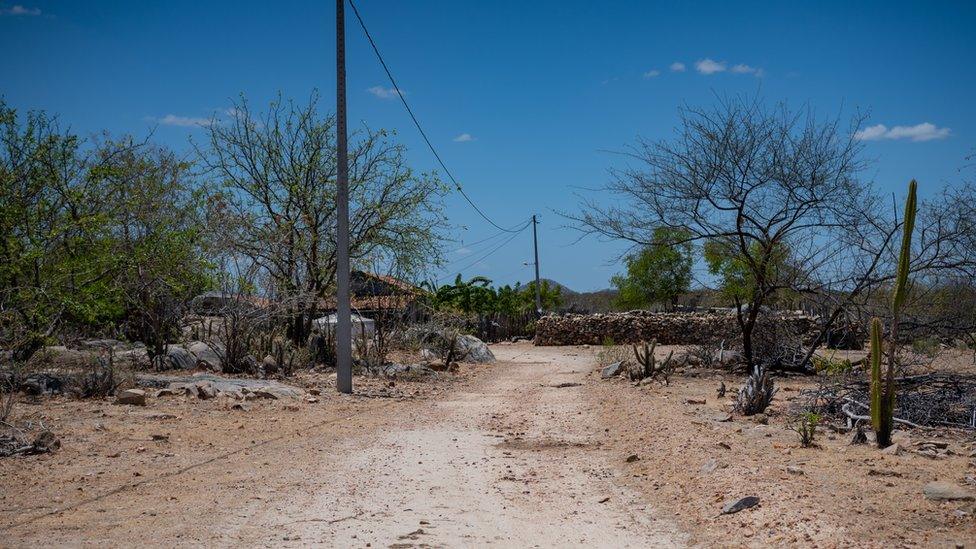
513	460
512	457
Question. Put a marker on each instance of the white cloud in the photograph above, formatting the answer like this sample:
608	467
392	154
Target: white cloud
462	251
464	138
385	93
742	68
652	74
708	66
919	132
677	66
182	121
18	9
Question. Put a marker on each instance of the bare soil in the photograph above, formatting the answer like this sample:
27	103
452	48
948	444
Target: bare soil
532	450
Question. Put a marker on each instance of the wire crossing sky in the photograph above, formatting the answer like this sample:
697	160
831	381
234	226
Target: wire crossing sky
526	102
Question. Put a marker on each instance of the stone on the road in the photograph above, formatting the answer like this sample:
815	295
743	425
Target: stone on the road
133	397
740	504
947	491
612	370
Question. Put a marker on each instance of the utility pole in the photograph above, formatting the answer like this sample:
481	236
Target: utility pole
538	288
343	310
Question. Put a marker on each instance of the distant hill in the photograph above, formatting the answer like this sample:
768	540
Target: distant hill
598	301
601	301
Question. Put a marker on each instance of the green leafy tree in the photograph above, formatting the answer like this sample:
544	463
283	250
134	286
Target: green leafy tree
658	273
156	234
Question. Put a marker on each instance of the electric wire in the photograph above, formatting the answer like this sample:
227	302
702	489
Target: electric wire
483	257
420	129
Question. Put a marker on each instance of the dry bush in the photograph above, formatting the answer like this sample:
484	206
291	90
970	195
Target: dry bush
99	379
7	400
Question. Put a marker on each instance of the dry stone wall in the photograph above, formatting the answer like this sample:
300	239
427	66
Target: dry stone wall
637	326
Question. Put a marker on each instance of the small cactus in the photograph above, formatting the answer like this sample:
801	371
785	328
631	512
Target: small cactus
756	393
647	366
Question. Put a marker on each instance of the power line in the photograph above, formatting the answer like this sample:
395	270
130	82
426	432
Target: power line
416	123
485	256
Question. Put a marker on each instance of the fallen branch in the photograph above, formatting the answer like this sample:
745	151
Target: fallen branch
847	411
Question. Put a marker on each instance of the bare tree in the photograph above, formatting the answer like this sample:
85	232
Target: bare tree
769	187
276	202
775	193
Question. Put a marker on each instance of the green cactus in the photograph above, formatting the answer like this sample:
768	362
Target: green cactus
883	391
648	366
882	397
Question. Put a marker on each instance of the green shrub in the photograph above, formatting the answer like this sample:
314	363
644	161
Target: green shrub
928	346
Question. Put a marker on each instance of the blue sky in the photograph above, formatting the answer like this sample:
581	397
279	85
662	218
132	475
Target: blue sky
543	90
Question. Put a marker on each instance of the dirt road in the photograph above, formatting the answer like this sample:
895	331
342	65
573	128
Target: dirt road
513	458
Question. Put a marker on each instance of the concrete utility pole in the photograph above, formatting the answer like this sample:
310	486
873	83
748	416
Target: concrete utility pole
538	288
343	310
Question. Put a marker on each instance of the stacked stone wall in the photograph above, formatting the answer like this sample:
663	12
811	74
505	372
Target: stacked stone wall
637	326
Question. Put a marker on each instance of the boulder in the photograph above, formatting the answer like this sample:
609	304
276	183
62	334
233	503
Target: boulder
269	366
612	370
473	349
136	358
175	358
207	354
133	397
59	356
947	491
98	344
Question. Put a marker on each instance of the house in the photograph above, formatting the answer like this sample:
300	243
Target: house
376	295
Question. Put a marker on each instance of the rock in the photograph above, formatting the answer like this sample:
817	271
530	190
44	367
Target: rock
206	390
794	470
611	370
165	392
59	356
263	393
428	355
100	344
632	458
946	491
40	383
133	397
709	466
739	505
136	358
230	386
269	365
892	450
175	358
938	444
207	355
761	419
695	401
474	350
721	417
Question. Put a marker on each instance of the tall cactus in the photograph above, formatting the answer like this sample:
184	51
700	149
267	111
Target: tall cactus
883	390
882	394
